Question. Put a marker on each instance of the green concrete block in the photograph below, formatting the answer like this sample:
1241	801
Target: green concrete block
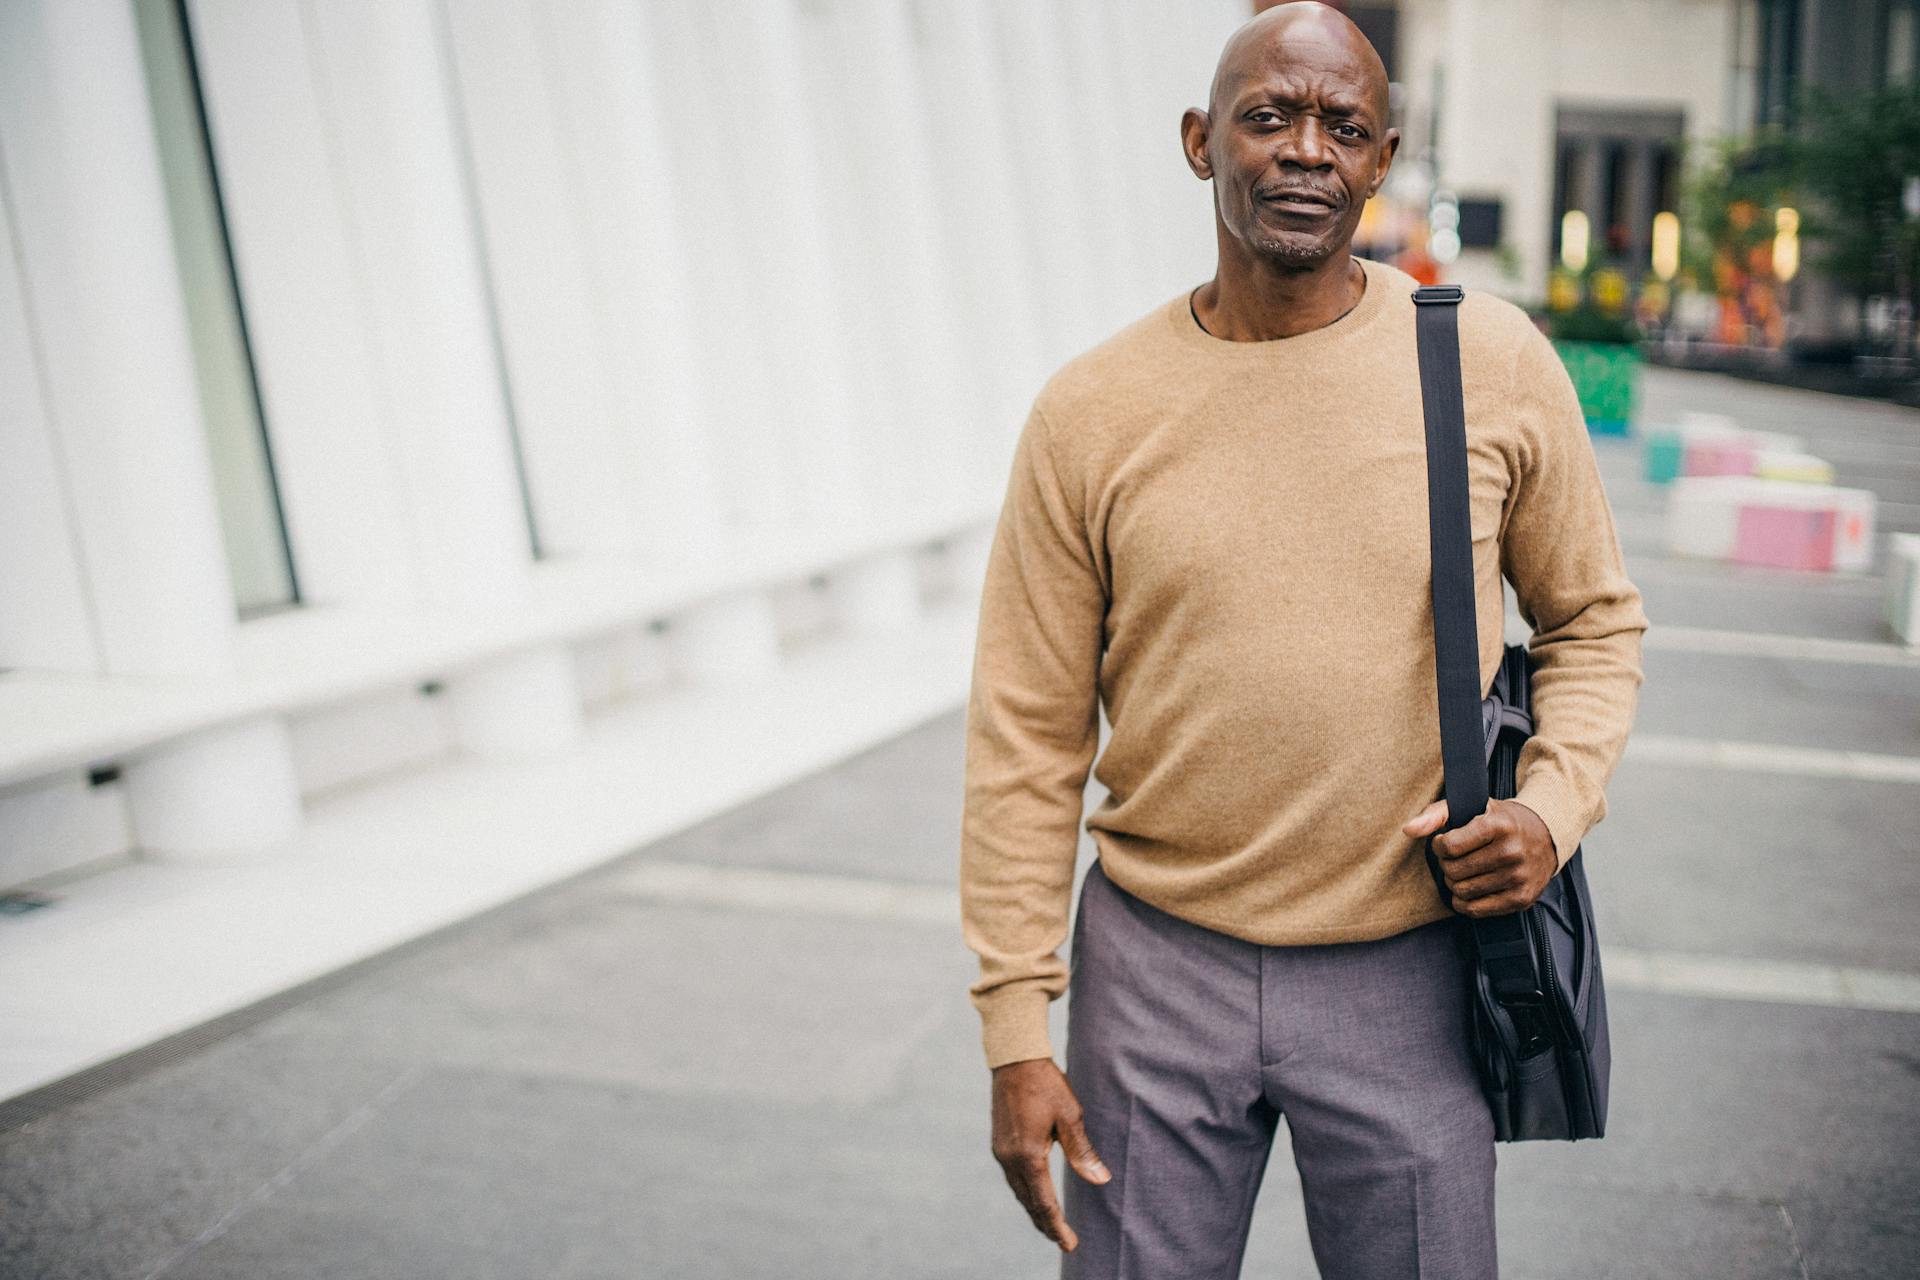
1606	376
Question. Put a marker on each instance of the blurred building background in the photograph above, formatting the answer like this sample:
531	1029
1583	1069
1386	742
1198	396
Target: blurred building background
1679	150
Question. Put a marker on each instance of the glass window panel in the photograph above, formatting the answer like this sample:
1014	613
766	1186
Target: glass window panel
250	516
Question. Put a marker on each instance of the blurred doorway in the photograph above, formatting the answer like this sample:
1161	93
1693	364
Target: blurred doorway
1619	166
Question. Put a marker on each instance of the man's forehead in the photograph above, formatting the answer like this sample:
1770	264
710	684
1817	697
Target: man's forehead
1292	60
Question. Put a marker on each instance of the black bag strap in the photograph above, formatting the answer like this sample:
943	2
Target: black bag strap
1455	627
1505	952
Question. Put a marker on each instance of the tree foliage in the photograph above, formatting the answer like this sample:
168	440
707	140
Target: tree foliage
1735	181
1853	155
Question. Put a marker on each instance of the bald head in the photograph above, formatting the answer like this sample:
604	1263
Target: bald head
1311	30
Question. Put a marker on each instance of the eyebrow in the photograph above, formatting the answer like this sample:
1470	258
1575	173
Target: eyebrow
1350	108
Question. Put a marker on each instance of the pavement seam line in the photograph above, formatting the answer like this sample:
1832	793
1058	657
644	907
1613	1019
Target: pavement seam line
1793	1241
1627	968
1768	644
1767	757
352	1123
1719	573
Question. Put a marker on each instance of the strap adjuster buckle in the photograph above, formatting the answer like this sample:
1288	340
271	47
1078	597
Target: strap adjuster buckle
1429	295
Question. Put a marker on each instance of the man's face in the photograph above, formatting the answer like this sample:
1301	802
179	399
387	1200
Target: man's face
1296	144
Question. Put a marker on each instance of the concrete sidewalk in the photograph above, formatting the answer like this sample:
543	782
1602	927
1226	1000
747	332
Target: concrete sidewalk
746	1050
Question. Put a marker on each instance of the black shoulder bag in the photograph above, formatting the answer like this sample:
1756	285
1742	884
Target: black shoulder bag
1539	1011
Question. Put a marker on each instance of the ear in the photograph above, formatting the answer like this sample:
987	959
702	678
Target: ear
1387	152
1195	126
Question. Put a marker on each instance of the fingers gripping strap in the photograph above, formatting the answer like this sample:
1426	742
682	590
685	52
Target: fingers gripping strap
1455	627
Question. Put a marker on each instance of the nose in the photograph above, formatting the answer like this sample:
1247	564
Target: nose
1304	145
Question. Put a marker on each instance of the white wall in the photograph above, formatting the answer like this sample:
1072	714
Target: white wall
670	288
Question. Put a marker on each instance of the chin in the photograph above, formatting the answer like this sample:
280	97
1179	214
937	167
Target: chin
1295	251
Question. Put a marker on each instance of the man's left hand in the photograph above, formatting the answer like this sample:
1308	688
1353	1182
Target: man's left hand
1499	863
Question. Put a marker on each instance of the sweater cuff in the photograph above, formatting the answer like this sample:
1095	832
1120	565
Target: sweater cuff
1013	1026
1560	809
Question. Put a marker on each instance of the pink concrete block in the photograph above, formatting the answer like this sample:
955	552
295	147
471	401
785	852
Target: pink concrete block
1720	458
1784	537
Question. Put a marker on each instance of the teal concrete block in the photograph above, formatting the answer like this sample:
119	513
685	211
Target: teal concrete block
1665	454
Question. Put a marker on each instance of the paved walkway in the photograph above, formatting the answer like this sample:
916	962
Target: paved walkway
746	1051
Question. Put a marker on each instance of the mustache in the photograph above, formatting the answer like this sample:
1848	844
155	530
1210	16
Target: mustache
1302	191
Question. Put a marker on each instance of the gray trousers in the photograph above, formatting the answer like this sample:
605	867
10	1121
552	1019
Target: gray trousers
1185	1046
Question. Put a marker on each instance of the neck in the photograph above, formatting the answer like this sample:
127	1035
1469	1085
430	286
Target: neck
1252	299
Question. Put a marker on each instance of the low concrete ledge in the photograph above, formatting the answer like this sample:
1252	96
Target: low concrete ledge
52	721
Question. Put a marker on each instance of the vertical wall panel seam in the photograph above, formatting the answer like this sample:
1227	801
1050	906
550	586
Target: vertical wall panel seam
63	464
483	266
546	53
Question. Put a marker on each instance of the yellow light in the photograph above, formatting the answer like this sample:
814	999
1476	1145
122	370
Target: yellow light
1563	292
1609	290
1666	245
1573	240
1786	244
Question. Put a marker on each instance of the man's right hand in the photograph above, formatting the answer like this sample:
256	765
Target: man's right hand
1033	1106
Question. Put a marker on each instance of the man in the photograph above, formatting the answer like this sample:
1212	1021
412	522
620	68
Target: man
1216	523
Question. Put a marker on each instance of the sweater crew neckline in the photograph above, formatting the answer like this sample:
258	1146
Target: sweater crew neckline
1179	313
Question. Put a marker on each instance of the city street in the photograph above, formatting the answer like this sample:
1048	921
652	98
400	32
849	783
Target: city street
747	1050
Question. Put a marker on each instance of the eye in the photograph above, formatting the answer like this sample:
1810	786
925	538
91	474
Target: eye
1258	112
1350	130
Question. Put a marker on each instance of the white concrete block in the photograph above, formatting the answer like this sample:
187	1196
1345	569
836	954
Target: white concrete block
1702	515
522	706
1853	529
877	594
223	793
1694	425
727	638
1759	521
1903	586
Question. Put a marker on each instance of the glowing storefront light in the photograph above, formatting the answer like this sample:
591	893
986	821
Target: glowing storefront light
1666	245
1786	244
1573	240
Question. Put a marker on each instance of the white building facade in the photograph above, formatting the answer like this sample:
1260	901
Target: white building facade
391	380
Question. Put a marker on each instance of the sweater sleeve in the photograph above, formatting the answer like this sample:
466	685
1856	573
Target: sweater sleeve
1561	552
1032	729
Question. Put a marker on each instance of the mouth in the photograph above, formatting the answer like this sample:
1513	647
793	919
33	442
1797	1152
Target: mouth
1305	203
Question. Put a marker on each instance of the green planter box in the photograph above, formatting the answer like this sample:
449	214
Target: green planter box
1607	377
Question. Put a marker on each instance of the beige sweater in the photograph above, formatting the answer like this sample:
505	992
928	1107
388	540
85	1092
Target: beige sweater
1225	543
